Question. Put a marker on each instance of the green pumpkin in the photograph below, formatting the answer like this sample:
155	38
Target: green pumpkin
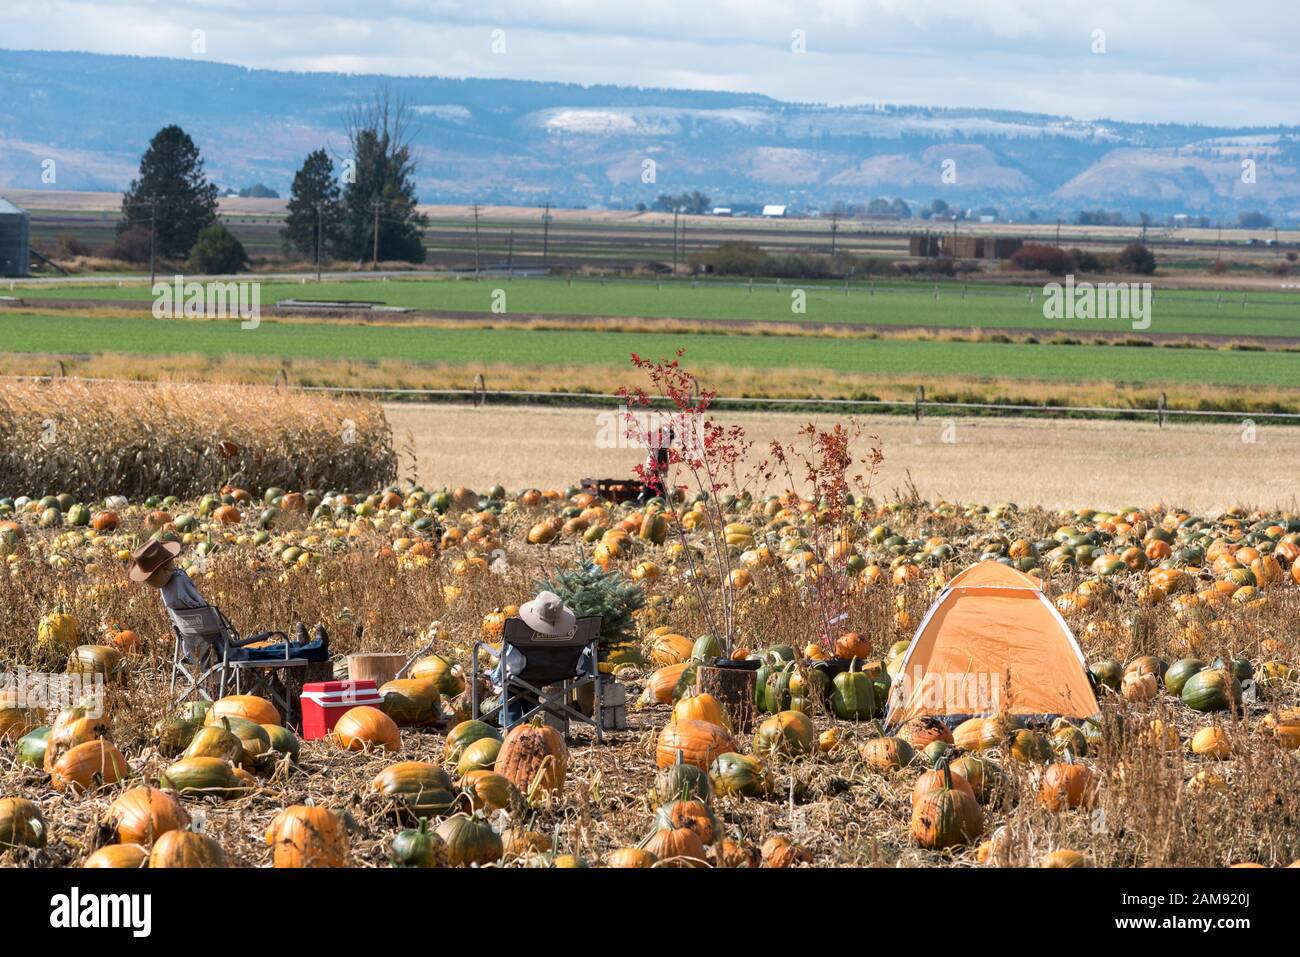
787	732
418	847
256	742
1211	690
31	747
1179	672
1109	674
682	782
936	754
741	775
217	741
480	755
283	741
706	648
853	697
175	734
776	693
21	824
464	734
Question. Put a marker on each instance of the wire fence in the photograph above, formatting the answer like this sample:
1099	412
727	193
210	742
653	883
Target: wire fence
919	406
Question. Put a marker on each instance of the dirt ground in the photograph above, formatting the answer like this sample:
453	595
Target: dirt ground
1055	463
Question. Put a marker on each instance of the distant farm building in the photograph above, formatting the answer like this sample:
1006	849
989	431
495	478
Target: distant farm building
15	239
721	211
773	212
936	245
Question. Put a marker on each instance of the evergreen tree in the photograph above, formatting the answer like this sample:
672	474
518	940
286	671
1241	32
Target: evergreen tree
314	186
384	175
217	252
172	179
590	590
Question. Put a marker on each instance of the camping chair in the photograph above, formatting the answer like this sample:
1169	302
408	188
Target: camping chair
210	646
547	661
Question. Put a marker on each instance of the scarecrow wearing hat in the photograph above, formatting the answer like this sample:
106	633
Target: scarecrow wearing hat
154	564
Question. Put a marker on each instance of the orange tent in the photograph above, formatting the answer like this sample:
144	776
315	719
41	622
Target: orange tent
991	643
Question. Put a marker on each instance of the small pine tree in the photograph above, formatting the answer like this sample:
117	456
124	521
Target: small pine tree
217	251
589	590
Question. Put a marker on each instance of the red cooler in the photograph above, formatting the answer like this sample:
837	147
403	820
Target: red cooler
324	702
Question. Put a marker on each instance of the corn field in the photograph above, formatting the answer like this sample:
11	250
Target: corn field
180	439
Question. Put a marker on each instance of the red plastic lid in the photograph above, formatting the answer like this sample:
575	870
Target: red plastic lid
326	687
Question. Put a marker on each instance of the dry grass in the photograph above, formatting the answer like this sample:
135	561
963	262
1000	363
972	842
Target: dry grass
171	438
1055	463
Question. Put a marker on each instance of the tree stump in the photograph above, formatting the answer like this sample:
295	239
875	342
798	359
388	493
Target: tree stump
734	689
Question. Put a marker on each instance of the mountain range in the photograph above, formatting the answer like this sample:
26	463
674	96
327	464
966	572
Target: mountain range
524	142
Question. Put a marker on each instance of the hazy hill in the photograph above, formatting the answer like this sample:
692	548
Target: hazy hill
513	141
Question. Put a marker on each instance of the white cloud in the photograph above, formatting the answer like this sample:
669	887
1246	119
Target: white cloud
1194	60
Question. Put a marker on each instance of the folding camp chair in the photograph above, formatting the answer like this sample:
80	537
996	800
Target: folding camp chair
208	648
547	661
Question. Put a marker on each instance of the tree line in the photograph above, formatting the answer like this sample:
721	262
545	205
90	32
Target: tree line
363	208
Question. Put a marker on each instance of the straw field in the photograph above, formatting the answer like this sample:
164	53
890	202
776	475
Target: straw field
138	439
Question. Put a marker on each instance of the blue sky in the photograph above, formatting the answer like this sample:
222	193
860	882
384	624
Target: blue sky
1206	61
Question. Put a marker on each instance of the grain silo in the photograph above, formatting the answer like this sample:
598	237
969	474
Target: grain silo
15	237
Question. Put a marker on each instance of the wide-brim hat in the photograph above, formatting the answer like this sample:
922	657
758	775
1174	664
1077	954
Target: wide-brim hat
548	615
151	556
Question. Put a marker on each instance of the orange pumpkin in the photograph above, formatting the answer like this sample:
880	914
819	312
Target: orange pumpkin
186	849
934	781
365	728
305	836
119	856
779	852
922	730
699	742
247	706
1067	786
87	766
682	847
852	645
630	857
533	757
126	641
701	707
141	815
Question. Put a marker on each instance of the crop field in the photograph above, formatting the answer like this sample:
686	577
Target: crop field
471	347
1187	620
914	305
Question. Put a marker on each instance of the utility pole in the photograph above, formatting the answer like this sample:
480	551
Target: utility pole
683	239
510	253
476	240
320	232
1058	232
835	225
675	211
546	231
153	233
374	256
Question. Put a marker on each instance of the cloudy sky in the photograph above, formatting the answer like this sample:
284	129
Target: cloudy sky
1207	61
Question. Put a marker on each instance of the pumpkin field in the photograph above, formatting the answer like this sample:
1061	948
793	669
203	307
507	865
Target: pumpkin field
1187	622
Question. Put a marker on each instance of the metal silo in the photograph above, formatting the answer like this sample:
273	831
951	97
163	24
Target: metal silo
15	237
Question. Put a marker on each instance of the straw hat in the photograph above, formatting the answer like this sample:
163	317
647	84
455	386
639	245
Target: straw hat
548	615
151	556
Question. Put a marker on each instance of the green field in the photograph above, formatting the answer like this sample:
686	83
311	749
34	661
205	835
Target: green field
1177	312
472	347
